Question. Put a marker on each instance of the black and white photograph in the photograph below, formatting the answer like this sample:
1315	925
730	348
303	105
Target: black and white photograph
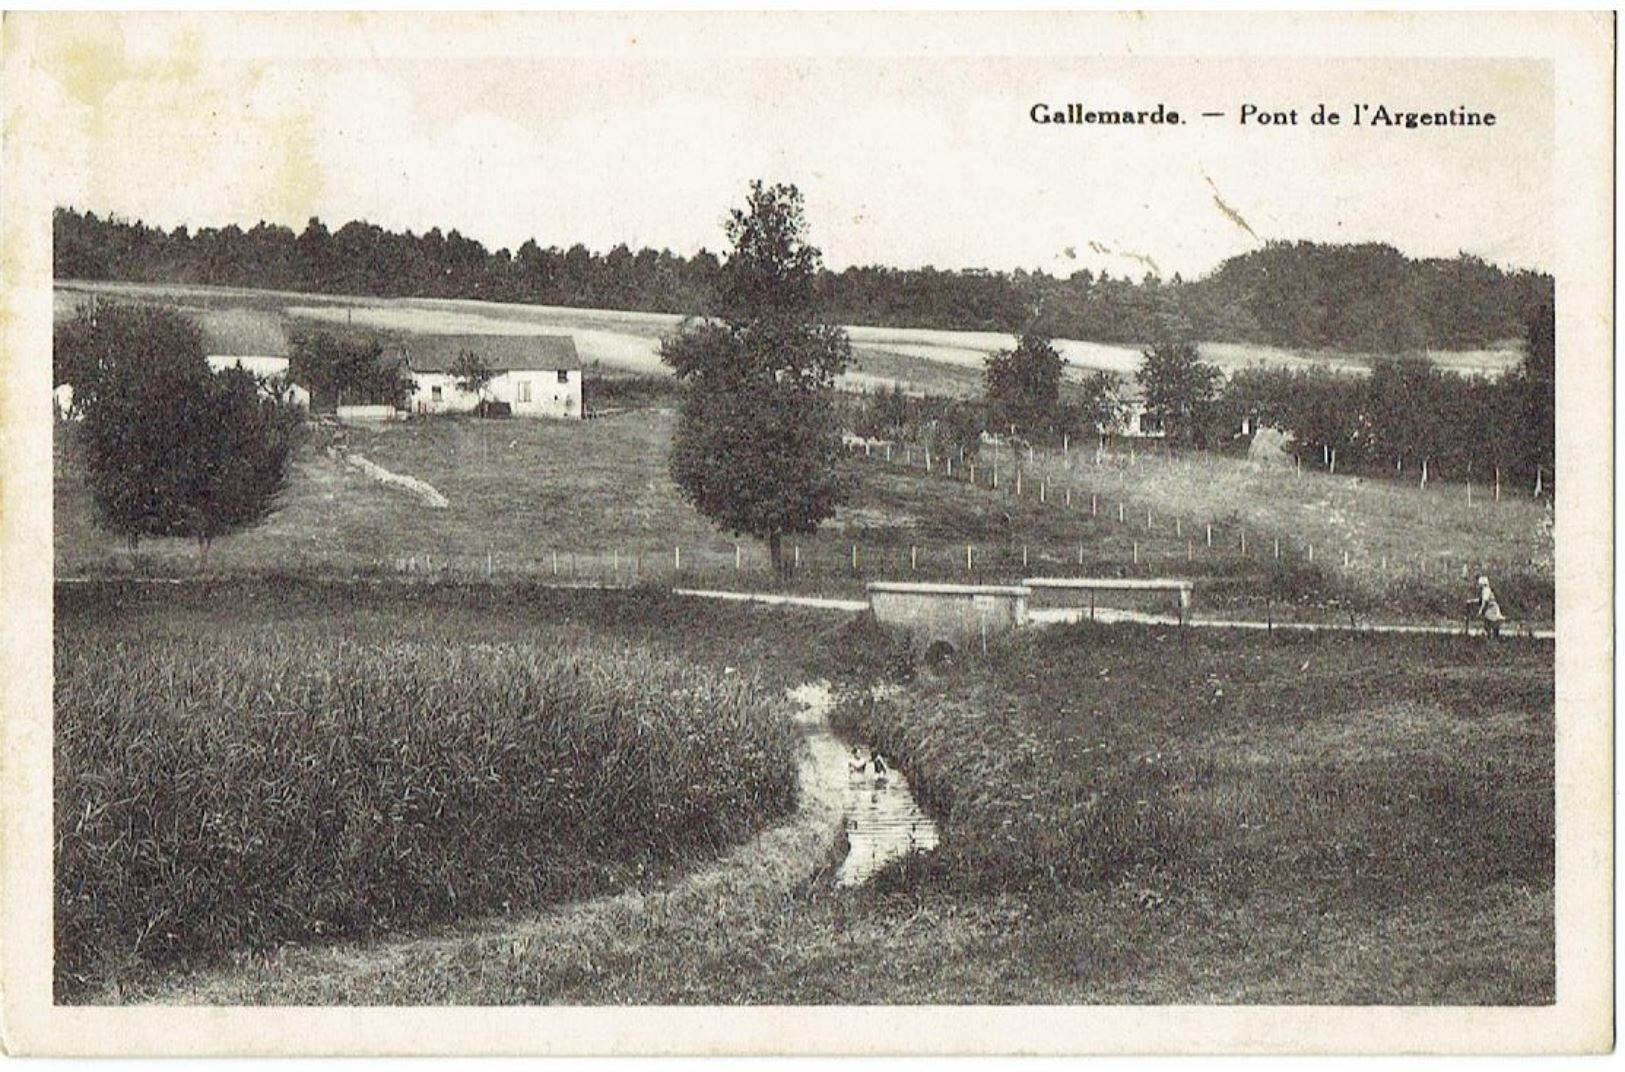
756	533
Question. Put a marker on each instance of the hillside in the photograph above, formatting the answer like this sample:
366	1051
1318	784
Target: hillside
921	360
1300	295
594	501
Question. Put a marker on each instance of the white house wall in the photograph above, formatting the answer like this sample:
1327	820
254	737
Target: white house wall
531	393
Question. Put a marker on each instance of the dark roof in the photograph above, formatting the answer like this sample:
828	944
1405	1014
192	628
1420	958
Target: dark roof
503	353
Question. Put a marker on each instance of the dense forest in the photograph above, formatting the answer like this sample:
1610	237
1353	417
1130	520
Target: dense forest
1298	294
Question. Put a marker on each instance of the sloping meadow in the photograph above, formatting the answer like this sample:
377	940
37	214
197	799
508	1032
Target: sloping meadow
225	791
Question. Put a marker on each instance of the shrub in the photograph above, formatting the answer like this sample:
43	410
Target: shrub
171	448
215	796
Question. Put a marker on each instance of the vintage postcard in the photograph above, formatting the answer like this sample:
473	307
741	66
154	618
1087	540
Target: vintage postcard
765	533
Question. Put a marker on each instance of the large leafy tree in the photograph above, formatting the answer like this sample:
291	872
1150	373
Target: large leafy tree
1023	386
757	446
346	369
172	448
1180	388
1099	407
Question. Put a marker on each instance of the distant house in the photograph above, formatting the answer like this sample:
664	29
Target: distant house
270	370
537	376
1135	421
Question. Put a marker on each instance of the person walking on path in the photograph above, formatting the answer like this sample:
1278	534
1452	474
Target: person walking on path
1488	609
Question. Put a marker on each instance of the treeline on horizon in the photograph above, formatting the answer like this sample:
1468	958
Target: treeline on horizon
1368	298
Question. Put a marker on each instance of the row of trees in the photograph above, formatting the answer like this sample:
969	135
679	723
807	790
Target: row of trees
1404	414
171	447
1360	297
1409	413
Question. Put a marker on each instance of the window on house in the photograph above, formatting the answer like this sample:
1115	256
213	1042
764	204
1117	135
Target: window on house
564	375
524	390
436	393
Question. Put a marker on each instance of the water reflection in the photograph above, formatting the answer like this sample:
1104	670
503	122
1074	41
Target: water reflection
883	823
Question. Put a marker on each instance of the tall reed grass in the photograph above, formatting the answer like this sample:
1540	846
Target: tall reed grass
1357	769
228	793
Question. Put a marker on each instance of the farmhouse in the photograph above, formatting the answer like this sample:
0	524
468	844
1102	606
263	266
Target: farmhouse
539	378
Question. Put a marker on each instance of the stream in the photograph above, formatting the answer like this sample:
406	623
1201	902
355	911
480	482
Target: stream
882	820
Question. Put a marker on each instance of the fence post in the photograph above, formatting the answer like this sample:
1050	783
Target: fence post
1345	559
616	560
1094	505
797	552
854	558
488	563
928	459
555	563
1080	554
1311	553
738	558
967	558
1210	535
1136	552
1148	519
1120	514
1023	556
1190	550
1043	490
1018	480
1243	541
677	558
913	557
888	452
1069	494
1179	528
1277	547
1497	483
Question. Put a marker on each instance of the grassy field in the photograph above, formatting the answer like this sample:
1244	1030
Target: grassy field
1129	815
593	500
237	321
241	766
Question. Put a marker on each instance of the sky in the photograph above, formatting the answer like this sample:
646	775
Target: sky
905	160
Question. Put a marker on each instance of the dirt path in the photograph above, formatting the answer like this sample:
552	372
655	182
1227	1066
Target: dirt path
1065	615
425	492
438	968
